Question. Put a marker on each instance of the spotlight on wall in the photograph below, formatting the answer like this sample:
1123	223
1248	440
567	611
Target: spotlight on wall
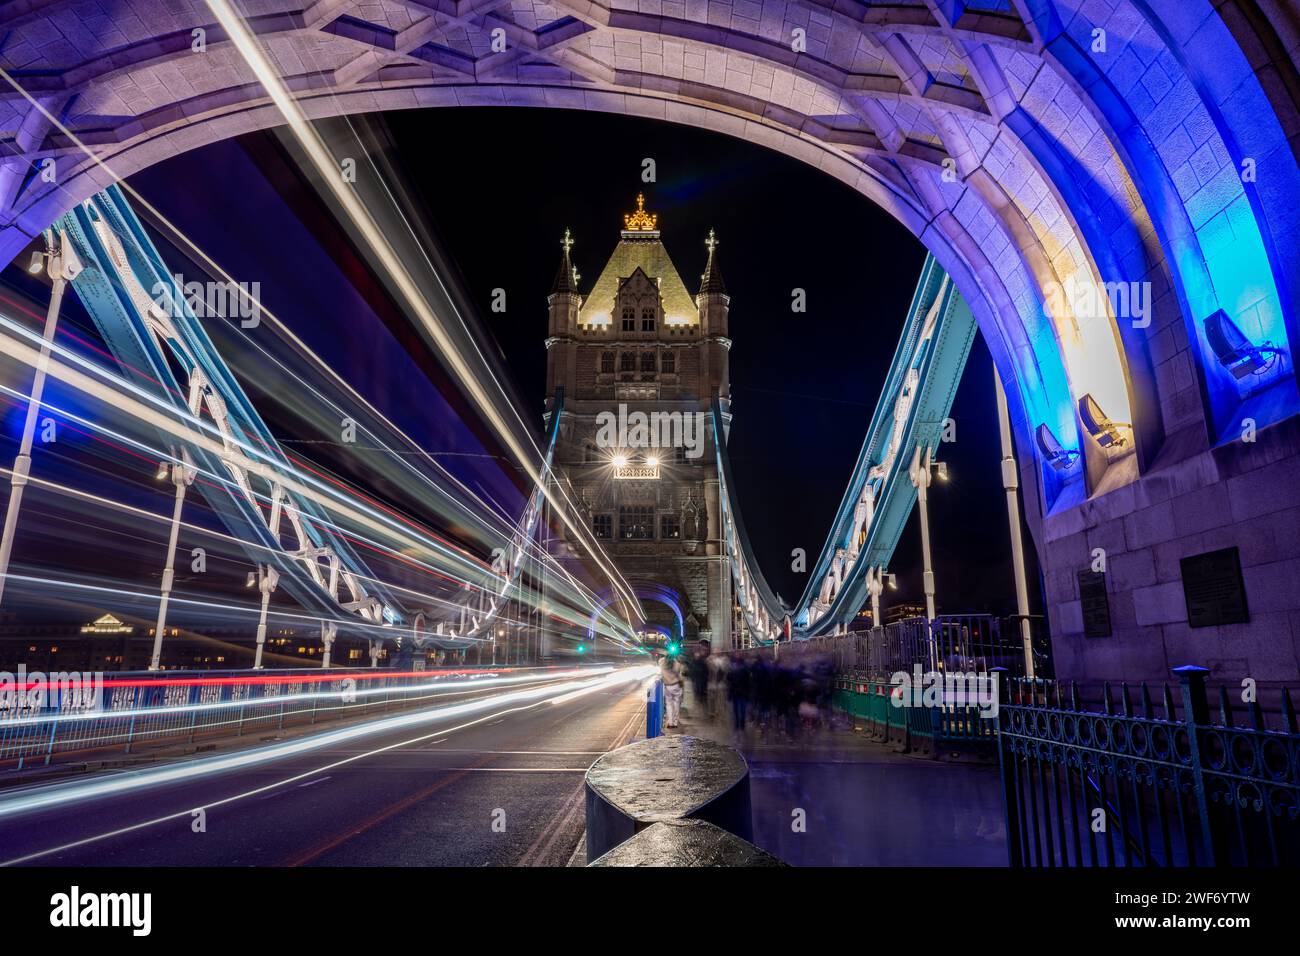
620	461
941	470
892	581
652	461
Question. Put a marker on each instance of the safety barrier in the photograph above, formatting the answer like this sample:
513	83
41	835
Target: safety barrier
978	643
40	718
654	710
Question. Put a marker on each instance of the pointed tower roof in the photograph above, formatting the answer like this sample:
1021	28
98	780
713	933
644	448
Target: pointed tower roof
640	247
711	281
566	279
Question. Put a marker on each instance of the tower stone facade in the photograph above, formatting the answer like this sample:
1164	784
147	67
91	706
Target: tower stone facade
639	360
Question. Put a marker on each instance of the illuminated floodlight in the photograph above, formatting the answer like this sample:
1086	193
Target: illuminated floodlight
652	461
620	461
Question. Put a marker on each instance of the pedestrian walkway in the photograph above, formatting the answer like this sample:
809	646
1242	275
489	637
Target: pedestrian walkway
831	797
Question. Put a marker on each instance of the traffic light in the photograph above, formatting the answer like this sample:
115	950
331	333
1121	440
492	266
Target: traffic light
582	648
674	648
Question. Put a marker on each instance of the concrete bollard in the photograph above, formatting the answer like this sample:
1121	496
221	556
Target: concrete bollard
665	779
686	843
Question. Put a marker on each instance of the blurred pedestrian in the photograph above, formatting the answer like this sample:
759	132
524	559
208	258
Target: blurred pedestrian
738	690
700	675
671	673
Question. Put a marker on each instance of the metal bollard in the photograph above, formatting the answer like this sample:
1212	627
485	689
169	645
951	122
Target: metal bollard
654	710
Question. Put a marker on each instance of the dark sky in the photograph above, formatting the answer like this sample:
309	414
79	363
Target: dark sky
499	186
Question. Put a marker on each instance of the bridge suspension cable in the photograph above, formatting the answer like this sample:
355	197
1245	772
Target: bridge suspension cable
904	435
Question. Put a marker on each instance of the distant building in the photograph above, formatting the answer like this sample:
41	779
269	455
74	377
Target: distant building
110	644
901	612
637	343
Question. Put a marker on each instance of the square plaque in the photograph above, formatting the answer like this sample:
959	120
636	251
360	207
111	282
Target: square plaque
1095	603
1214	589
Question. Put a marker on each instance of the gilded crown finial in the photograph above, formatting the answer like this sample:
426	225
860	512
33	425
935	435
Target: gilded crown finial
640	221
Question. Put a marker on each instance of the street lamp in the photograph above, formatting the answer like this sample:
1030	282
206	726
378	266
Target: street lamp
265	578
1011	483
182	474
61	263
328	631
922	472
877	579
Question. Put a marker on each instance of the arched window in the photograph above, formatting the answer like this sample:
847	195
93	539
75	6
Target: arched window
629	319
647	320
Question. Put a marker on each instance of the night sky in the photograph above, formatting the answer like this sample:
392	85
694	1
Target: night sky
498	187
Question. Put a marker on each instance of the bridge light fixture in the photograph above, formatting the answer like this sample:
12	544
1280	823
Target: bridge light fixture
619	461
251	580
652	461
892	581
941	470
164	469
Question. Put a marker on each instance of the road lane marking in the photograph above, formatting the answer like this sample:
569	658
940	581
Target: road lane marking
188	812
569	807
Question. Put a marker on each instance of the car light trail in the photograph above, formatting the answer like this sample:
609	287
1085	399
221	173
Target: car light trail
60	795
343	695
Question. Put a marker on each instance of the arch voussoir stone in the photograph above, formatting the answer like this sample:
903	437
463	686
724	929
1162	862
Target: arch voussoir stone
1143	144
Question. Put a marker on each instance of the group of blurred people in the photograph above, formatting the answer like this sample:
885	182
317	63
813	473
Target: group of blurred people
771	692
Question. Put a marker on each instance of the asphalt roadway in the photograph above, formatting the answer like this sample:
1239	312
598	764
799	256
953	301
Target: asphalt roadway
496	784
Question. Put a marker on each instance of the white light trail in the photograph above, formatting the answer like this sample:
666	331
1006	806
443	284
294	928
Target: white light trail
375	241
64	794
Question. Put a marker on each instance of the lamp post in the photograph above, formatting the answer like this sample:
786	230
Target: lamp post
266	578
328	631
1011	482
876	580
921	477
60	262
182	475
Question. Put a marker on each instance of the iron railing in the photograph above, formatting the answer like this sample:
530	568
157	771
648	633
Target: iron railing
1146	785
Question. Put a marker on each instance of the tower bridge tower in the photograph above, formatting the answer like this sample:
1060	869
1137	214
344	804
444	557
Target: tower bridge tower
639	359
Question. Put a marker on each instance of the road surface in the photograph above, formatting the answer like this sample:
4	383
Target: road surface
502	786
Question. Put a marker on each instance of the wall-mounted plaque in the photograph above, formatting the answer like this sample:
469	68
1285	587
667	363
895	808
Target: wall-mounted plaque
1214	589
1095	603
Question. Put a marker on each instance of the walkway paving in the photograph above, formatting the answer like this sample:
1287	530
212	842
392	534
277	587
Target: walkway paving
862	804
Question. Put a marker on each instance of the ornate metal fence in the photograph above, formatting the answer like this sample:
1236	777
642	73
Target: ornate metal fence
1148	786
